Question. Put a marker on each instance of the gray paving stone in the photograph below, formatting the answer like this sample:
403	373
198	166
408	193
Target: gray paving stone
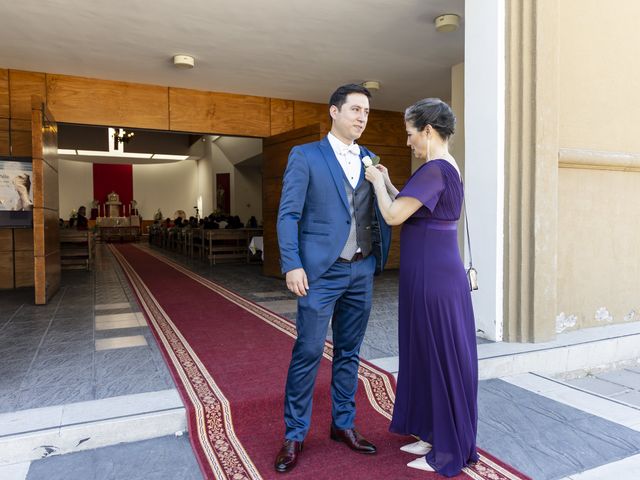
112	364
626	378
632	397
130	384
82	346
53	338
51	394
54	375
522	399
598	385
161	458
8	401
69	361
520	454
546	439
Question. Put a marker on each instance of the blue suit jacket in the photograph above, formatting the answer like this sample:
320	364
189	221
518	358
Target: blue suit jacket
314	218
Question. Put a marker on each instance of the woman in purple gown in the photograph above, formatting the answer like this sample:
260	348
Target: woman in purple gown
436	399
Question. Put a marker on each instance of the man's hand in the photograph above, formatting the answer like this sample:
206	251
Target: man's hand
297	282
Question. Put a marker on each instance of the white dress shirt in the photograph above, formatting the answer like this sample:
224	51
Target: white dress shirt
349	158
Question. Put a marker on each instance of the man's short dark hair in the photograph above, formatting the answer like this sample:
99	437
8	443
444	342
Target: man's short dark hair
339	97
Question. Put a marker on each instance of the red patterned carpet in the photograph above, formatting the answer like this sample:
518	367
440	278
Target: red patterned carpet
229	359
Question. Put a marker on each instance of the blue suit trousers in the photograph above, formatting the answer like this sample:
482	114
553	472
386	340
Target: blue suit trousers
343	295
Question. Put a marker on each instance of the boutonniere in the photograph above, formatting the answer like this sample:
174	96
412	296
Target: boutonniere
367	161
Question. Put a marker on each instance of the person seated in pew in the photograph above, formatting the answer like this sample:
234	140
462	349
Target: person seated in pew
81	220
234	222
252	223
210	223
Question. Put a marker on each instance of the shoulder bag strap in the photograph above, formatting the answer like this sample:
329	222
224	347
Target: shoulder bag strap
466	227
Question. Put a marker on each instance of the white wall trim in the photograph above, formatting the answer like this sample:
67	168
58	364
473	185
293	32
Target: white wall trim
484	156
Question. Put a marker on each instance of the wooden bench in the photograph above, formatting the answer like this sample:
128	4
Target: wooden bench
227	244
76	249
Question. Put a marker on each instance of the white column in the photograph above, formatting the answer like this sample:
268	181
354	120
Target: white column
484	124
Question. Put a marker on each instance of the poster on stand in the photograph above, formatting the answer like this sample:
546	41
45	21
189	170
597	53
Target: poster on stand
16	192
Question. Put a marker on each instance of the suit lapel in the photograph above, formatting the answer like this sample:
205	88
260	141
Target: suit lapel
335	169
363	153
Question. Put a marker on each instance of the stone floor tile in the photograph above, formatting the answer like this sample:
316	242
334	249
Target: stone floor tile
624	377
597	385
631	397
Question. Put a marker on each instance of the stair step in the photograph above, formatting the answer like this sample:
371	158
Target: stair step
37	433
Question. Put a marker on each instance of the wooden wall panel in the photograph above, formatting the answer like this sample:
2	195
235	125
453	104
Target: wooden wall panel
53	274
384	128
308	113
24	269
23	243
219	113
46	233
21	138
51	232
5	108
281	116
276	153
23	239
6	240
22	85
4	136
48	195
6	258
105	102
6	270
393	262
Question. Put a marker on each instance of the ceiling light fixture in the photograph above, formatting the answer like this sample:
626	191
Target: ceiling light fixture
448	22
183	61
371	85
120	135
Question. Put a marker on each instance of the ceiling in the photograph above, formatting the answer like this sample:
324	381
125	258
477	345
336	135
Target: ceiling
294	49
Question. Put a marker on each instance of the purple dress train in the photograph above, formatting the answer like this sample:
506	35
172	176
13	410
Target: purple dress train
437	391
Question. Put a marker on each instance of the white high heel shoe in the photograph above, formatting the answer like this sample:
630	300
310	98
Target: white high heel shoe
417	448
421	464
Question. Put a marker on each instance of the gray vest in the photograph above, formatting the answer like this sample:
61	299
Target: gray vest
361	209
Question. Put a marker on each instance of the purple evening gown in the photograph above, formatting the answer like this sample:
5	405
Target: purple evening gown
437	391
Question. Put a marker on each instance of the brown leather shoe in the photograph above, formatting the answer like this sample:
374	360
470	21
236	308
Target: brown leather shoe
353	439
288	455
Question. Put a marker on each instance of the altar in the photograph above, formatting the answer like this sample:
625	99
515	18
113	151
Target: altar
116	225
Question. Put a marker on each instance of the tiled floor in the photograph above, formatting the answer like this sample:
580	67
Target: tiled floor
530	422
163	458
69	350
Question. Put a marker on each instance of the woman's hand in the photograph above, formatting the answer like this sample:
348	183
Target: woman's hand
382	169
374	175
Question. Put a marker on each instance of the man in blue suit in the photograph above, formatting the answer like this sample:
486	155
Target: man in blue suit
332	239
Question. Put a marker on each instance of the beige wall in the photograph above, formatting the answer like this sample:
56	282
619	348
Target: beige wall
599	108
248	193
599	74
75	186
598	254
169	187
